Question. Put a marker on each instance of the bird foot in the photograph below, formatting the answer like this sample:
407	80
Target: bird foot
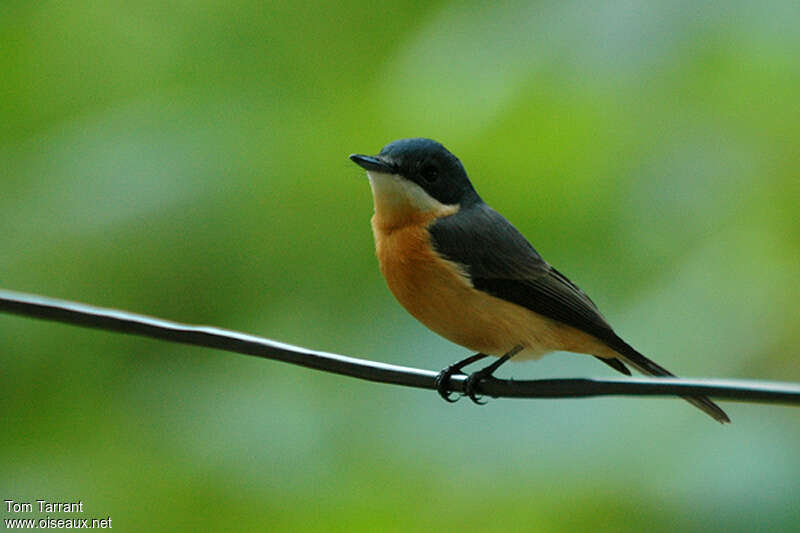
471	385
472	381
442	380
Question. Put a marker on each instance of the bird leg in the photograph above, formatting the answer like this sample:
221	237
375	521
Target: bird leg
476	377
443	378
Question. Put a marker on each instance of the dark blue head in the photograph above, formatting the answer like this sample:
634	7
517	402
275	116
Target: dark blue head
426	163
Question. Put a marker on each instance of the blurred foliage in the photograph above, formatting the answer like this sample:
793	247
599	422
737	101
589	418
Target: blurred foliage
189	160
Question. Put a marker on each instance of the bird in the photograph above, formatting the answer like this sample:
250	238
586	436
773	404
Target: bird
464	271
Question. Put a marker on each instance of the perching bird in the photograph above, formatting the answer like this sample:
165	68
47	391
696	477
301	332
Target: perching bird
464	271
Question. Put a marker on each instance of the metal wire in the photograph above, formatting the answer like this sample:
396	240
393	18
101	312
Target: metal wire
211	337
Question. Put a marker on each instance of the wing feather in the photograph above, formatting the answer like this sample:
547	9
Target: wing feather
500	261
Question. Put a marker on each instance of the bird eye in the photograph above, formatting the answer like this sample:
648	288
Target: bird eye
429	173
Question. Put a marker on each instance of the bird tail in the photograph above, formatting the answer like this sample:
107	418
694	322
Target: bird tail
646	366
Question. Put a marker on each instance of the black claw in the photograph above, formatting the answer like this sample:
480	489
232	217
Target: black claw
441	384
443	378
470	386
471	383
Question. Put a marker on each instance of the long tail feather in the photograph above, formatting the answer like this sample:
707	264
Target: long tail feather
646	366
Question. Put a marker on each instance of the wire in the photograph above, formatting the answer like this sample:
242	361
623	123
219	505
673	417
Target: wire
211	337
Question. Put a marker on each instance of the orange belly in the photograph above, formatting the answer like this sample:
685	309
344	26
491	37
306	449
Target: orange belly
439	294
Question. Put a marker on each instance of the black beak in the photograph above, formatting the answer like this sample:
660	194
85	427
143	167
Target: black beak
369	162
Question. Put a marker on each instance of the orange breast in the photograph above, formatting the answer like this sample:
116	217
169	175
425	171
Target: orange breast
439	294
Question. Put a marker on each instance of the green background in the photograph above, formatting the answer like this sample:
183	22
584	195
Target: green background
188	160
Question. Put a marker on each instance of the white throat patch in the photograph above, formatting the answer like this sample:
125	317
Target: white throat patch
393	193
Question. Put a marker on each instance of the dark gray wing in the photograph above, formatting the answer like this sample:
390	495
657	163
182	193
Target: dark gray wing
500	261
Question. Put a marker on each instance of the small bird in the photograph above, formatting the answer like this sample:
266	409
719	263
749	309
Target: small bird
468	274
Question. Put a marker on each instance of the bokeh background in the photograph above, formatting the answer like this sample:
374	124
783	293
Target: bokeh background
189	160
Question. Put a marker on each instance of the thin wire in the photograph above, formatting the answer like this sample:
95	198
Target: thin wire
211	337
